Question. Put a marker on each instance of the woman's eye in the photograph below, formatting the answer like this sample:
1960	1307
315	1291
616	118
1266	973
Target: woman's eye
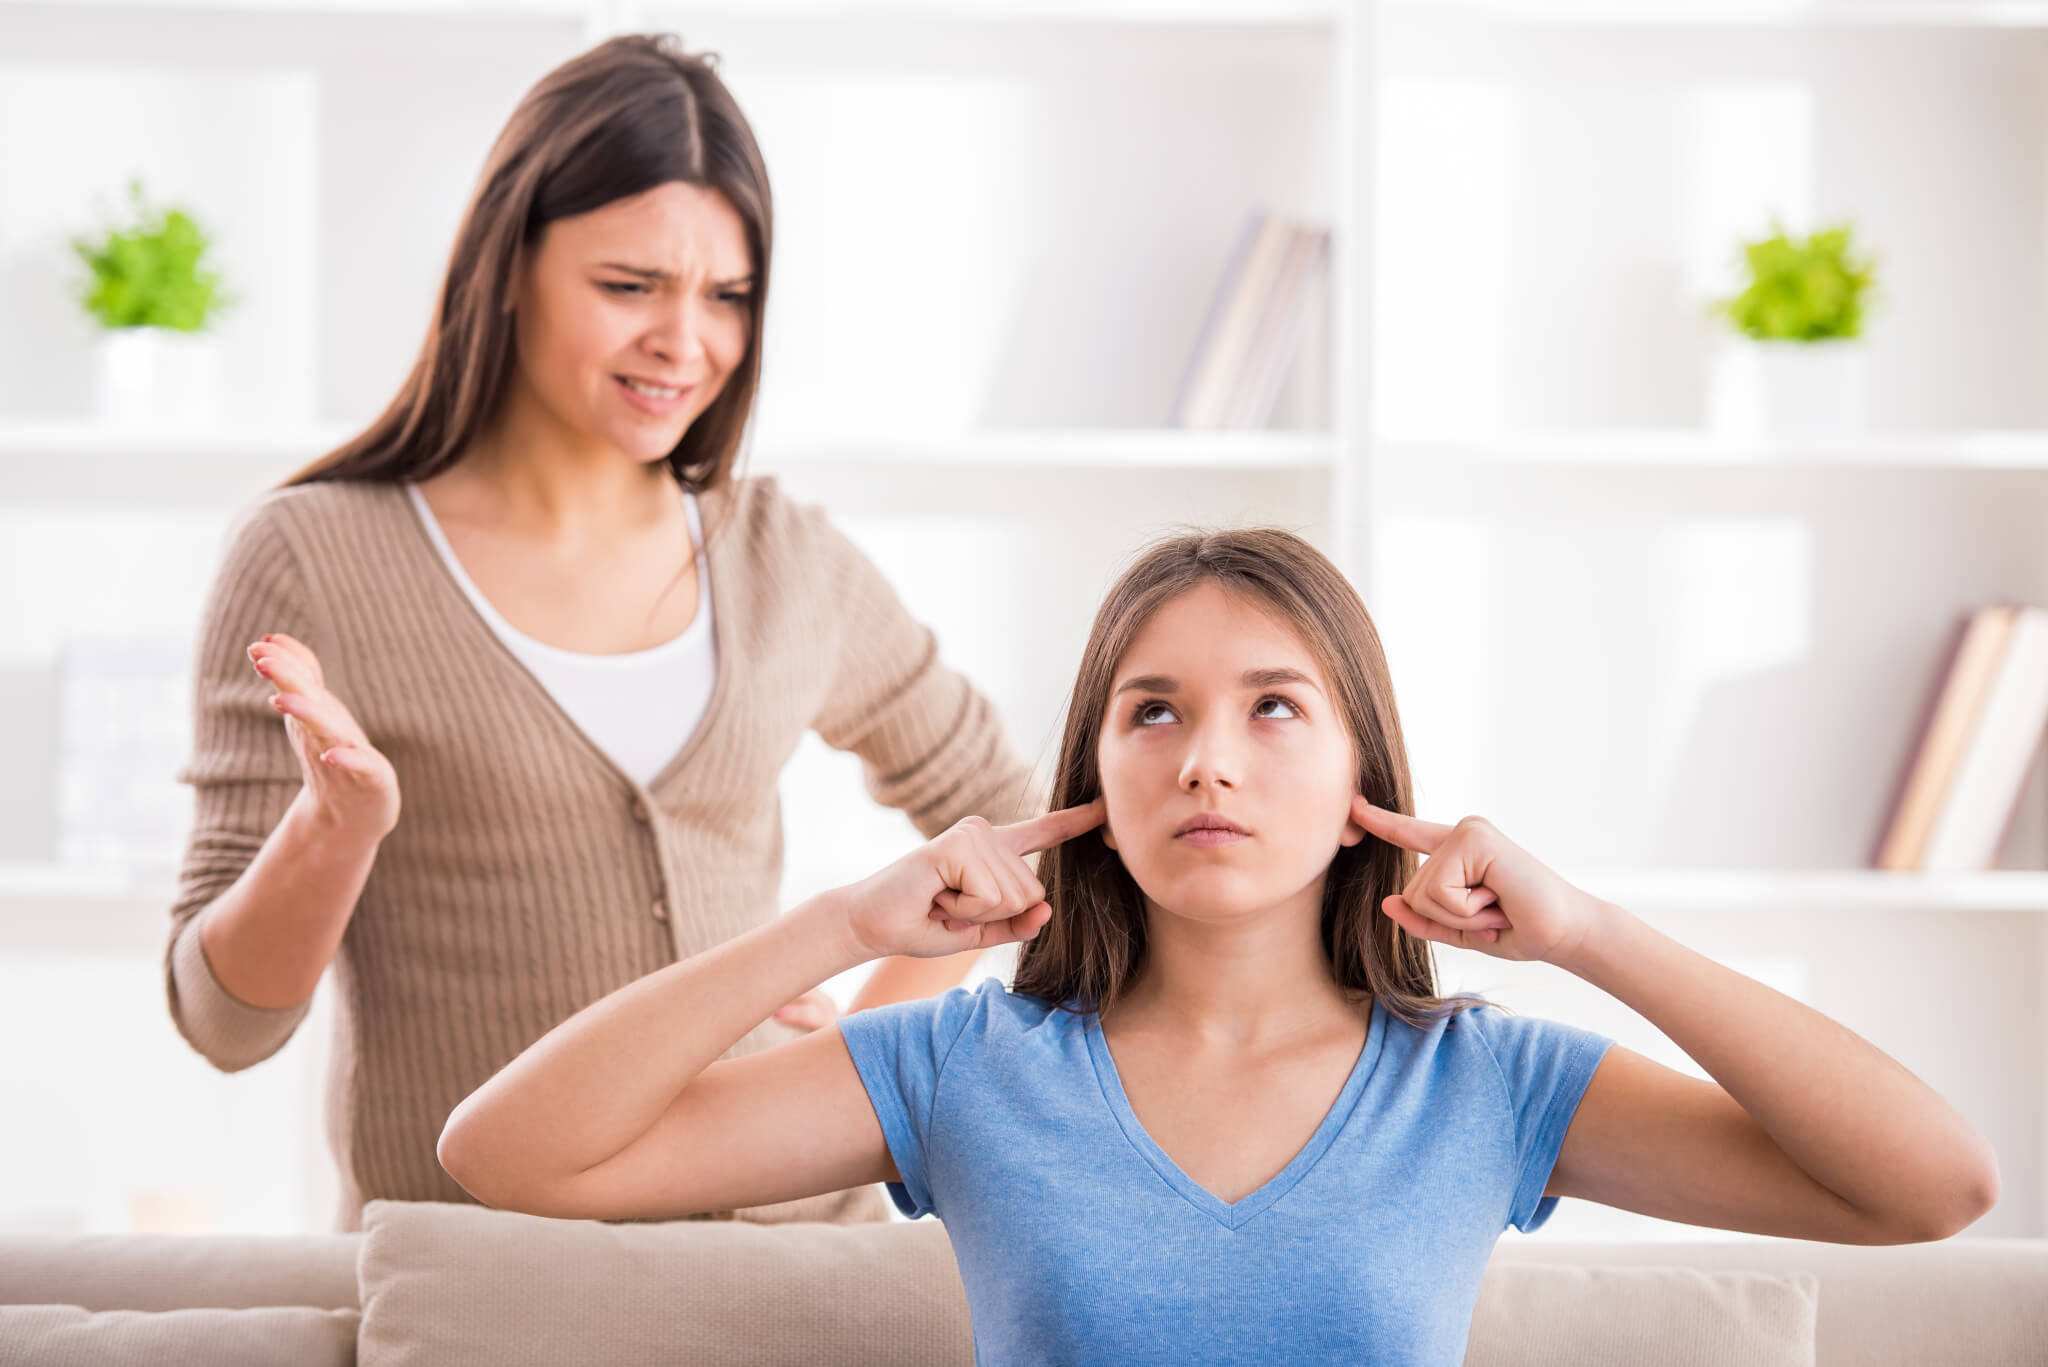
1143	715
622	287
738	297
1268	716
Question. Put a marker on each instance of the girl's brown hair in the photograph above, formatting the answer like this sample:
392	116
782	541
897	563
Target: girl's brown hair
1091	950
632	113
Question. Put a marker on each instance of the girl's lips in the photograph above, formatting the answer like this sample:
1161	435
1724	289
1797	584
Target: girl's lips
1210	837
647	403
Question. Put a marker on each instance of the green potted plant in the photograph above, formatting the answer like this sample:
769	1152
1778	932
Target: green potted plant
1795	361
150	292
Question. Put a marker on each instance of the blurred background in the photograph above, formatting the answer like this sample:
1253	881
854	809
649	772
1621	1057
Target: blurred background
1489	300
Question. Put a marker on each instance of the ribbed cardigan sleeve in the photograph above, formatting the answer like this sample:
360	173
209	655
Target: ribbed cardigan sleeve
930	743
244	775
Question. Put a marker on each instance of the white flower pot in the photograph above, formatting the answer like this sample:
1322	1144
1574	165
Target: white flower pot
156	377
1789	389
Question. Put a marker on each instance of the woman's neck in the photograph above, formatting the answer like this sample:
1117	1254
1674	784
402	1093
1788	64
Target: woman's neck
528	476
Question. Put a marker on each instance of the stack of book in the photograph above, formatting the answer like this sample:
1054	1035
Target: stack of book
1254	325
1977	741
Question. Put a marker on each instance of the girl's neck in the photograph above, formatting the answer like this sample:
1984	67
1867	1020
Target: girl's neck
1255	982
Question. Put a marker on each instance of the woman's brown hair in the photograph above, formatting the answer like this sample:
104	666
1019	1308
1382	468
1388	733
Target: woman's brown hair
1093	947
632	113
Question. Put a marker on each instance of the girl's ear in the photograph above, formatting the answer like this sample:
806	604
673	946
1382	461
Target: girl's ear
1353	833
1108	836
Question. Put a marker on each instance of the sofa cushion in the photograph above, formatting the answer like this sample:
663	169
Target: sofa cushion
72	1336
179	1271
1582	1315
451	1284
1981	1301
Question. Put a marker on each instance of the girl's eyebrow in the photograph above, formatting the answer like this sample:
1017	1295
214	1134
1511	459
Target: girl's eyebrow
1251	678
664	276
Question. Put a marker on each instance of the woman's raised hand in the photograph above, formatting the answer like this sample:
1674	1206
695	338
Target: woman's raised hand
349	781
971	887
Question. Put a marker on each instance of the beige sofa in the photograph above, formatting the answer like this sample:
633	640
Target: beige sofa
451	1284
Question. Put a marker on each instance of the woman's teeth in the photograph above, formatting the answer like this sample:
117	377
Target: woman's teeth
652	391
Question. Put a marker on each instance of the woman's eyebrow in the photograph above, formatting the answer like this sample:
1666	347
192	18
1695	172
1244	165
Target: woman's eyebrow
645	273
1251	678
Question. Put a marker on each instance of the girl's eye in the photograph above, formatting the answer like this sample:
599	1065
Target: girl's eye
1145	707
622	287
738	297
1268	716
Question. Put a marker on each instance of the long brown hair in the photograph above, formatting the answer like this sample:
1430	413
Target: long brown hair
632	113
1091	950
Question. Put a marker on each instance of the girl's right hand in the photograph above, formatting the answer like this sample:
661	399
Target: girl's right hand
969	888
349	782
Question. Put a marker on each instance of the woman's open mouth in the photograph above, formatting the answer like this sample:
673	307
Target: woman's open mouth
648	397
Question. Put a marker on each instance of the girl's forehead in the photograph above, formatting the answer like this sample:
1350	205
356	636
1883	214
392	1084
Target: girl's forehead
1209	637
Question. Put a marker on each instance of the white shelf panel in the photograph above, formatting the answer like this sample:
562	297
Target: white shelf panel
83	463
1071	449
57	908
54	908
1816	891
1983	450
88	464
636	15
1726	14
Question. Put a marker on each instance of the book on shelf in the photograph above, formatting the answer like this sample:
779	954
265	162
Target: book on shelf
1975	745
1254	325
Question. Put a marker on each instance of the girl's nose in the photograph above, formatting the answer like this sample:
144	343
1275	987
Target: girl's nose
1210	762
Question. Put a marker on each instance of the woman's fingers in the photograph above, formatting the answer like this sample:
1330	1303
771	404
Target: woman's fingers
814	1010
300	652
321	714
1043	832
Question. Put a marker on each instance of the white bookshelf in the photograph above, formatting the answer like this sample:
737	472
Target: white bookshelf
56	907
1680	668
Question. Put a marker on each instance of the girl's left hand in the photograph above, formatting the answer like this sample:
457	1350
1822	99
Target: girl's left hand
814	1010
1477	889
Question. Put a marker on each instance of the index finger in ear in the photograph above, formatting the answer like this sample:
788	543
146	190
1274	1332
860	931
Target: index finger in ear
1044	832
1411	833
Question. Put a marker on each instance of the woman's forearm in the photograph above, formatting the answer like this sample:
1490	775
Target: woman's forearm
271	935
1852	1117
598	1081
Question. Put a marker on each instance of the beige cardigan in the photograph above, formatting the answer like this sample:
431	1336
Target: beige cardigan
528	875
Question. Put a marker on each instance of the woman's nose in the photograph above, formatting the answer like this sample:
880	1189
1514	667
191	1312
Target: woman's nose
679	335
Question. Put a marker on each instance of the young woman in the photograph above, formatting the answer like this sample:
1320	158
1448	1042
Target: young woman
1222	1115
536	591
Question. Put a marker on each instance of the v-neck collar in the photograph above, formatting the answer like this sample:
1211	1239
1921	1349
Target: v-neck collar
721	641
1234	1214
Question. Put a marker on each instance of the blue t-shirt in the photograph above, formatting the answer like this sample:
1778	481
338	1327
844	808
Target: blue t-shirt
1080	1241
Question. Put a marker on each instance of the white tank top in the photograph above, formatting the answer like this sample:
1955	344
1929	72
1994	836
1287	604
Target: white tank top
639	707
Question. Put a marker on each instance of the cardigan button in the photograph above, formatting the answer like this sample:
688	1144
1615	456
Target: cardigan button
660	909
640	812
